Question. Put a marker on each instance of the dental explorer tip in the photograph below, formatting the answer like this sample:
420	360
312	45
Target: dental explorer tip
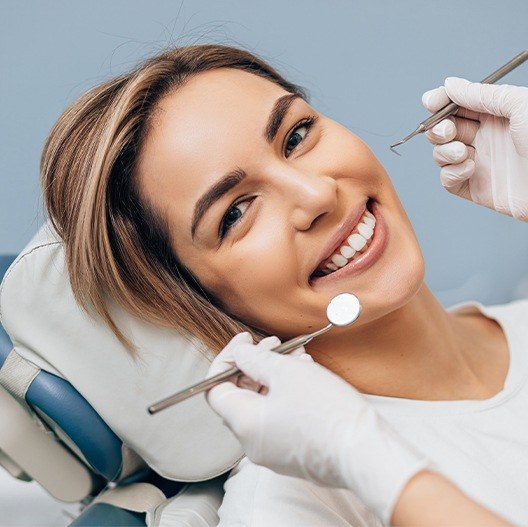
393	148
419	130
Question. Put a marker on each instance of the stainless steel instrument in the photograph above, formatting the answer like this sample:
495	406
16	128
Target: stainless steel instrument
342	310
452	108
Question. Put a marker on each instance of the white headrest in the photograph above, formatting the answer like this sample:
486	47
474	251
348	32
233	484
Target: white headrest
187	442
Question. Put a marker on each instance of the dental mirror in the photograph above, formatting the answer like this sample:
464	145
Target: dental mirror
343	309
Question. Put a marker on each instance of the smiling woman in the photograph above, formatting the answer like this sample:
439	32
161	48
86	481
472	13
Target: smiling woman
202	192
280	191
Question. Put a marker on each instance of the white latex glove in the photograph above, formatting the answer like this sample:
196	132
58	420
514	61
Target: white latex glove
483	150
310	423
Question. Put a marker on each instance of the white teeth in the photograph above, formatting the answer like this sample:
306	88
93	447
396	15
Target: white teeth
365	231
347	251
357	242
339	260
368	221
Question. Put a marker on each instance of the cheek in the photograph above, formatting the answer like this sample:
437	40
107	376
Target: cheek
252	274
348	159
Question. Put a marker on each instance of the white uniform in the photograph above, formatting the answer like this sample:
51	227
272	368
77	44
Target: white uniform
482	446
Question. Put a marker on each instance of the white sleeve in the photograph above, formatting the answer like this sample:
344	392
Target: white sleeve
196	505
257	497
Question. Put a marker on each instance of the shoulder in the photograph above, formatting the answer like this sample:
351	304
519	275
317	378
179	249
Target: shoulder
257	497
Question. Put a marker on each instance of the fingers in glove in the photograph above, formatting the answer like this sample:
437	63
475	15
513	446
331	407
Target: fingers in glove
471	152
220	391
434	100
272	342
443	132
223	361
468	114
466	129
500	100
269	343
306	357
241	337
233	404
237	340
455	178
454	128
243	343
260	365
451	153
298	352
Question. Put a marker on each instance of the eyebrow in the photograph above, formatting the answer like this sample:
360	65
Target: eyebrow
233	178
221	187
280	109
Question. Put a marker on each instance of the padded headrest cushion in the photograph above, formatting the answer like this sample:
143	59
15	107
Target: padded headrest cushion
187	442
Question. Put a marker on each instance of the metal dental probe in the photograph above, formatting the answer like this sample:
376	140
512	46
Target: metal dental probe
451	108
342	310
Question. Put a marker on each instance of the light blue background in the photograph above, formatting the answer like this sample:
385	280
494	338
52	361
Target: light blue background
365	64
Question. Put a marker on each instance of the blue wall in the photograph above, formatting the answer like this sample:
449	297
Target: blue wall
365	64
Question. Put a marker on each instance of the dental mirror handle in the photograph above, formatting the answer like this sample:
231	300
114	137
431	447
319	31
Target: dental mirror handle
231	373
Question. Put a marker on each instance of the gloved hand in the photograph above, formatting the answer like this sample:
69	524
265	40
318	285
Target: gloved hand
483	149
307	422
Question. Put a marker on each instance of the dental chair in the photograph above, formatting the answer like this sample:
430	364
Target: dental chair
73	404
53	436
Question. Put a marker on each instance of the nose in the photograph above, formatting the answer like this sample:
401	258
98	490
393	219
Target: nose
310	196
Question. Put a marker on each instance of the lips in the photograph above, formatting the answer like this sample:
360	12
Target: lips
367	258
342	233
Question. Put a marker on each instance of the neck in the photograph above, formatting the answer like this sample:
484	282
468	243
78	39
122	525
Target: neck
419	351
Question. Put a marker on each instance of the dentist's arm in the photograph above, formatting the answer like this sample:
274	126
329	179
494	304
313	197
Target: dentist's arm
299	419
483	149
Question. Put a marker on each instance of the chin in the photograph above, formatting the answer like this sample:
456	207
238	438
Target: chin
394	289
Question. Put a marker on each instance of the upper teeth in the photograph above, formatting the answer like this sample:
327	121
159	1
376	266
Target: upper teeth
354	243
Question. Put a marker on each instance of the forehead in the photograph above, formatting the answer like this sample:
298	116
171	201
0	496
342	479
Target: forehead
210	125
210	103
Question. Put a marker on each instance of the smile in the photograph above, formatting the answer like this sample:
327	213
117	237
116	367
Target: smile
358	250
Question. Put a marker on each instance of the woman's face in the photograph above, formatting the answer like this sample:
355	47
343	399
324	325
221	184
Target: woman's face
261	191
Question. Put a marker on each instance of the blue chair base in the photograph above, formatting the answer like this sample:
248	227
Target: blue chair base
105	515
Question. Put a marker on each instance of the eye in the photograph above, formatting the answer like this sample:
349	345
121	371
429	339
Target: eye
233	215
298	135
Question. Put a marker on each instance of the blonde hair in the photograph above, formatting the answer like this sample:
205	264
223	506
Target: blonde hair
114	243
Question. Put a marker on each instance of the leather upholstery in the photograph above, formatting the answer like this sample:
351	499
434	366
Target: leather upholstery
61	402
187	442
104	514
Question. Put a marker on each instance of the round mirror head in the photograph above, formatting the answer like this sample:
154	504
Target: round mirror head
343	309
